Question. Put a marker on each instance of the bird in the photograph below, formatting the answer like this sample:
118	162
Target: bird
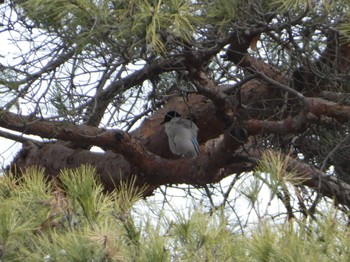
182	135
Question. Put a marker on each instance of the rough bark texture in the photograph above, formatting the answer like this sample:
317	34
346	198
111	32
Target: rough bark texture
145	153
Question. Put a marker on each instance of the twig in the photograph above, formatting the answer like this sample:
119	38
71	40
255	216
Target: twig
18	138
285	88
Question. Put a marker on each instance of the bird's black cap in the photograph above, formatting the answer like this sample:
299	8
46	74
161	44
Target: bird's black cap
168	116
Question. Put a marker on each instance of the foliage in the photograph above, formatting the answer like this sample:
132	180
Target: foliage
278	71
40	221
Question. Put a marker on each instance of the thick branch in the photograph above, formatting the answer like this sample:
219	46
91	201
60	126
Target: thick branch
151	168
320	107
290	125
329	186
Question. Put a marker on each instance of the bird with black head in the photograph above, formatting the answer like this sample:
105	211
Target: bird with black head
182	135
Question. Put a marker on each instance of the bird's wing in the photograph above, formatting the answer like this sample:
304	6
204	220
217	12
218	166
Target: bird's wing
195	144
189	125
186	123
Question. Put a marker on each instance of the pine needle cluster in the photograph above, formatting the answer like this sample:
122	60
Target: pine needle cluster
74	220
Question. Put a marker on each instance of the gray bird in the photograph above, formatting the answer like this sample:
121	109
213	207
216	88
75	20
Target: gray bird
182	135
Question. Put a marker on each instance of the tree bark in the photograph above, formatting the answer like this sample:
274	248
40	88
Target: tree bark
145	152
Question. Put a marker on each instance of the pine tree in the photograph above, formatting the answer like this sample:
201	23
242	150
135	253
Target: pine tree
266	82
